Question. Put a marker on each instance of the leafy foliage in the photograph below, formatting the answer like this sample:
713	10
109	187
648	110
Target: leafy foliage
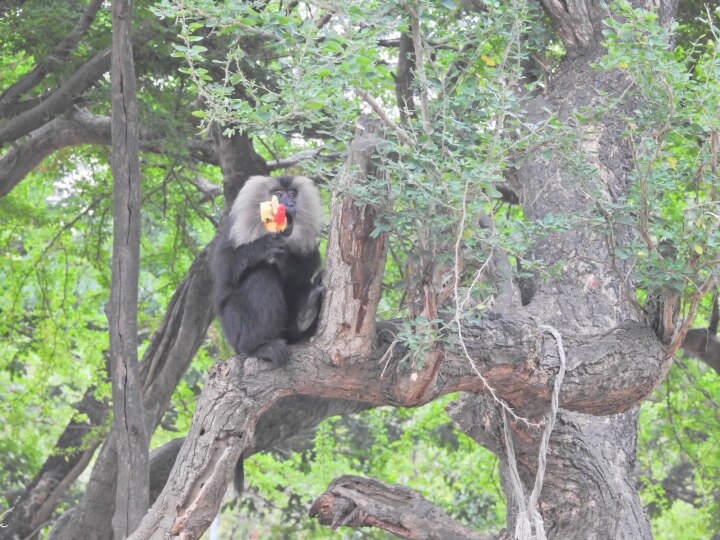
674	190
295	78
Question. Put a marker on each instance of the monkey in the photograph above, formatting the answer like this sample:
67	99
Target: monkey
267	290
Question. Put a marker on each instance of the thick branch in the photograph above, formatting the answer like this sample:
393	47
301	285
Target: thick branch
352	501
59	101
511	354
579	469
355	257
574	21
78	127
63	97
59	53
702	344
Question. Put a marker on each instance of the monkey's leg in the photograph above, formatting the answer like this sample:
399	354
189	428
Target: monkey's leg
276	351
308	310
255	316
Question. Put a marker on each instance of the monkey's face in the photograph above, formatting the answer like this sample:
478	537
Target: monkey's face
303	211
287	197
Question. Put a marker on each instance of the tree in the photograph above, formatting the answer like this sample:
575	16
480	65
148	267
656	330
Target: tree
601	152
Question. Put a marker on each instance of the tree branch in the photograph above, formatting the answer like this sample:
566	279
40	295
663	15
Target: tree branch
59	101
63	97
510	353
702	344
60	52
352	501
375	106
342	362
294	159
129	425
78	127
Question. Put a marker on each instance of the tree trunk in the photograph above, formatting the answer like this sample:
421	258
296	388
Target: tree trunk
588	490
130	430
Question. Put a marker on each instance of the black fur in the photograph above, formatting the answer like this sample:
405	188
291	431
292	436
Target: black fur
264	289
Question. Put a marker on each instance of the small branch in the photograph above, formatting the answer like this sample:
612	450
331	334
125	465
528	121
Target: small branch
291	161
356	502
209	190
689	318
420	66
375	106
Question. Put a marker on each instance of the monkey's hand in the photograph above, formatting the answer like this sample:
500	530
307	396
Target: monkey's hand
276	249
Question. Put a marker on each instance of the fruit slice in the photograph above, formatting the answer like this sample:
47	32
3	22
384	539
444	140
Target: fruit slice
272	215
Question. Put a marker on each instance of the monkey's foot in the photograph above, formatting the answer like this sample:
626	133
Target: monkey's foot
276	351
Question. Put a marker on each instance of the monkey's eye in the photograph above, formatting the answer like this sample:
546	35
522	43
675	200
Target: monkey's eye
292	193
278	193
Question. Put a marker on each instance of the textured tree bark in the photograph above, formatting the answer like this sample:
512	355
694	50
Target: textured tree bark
130	431
352	501
355	261
508	350
614	362
172	348
587	491
225	431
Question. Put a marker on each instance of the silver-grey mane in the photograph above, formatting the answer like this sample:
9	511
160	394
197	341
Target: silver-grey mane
245	213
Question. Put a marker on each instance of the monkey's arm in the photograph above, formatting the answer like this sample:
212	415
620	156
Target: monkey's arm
230	263
235	261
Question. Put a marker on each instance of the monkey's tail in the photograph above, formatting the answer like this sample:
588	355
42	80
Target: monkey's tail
239	477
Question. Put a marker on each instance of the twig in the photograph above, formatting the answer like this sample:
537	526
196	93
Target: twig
419	66
375	106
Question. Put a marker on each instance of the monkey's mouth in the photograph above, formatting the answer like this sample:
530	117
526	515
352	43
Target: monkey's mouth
289	227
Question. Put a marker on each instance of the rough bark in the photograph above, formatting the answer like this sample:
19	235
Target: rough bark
351	501
166	360
187	507
510	352
130	430
355	261
587	490
614	360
